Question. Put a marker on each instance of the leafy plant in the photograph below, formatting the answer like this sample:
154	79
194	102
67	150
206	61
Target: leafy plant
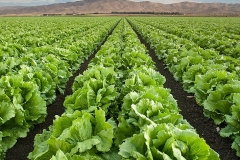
79	134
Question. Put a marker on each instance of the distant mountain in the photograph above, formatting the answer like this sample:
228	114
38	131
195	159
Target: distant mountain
109	6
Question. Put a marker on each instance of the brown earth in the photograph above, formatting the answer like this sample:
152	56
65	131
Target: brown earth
109	6
24	146
193	113
190	110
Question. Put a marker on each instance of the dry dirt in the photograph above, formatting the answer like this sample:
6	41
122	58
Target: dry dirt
190	110
193	113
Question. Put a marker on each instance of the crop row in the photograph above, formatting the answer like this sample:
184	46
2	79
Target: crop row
120	110
206	34
47	36
213	78
27	33
30	78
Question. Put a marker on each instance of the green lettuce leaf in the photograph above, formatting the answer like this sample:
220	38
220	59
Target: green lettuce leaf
59	155
166	141
77	134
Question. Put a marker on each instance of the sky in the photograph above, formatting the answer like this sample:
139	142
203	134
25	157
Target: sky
44	2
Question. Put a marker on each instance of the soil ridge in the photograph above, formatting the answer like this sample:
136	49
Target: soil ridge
191	111
24	146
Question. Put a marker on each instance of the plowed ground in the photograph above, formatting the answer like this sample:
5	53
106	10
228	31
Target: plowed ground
190	110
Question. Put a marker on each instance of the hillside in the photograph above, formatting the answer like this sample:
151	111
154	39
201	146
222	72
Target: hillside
108	6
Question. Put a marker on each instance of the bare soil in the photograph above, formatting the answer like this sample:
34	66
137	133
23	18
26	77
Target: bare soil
190	110
193	113
24	146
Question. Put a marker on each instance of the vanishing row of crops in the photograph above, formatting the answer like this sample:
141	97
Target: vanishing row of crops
221	36
206	61
37	57
120	110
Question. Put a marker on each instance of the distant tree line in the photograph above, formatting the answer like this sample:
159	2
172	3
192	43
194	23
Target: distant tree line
161	13
75	14
51	14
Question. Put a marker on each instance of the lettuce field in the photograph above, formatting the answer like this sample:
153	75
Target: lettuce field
160	88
